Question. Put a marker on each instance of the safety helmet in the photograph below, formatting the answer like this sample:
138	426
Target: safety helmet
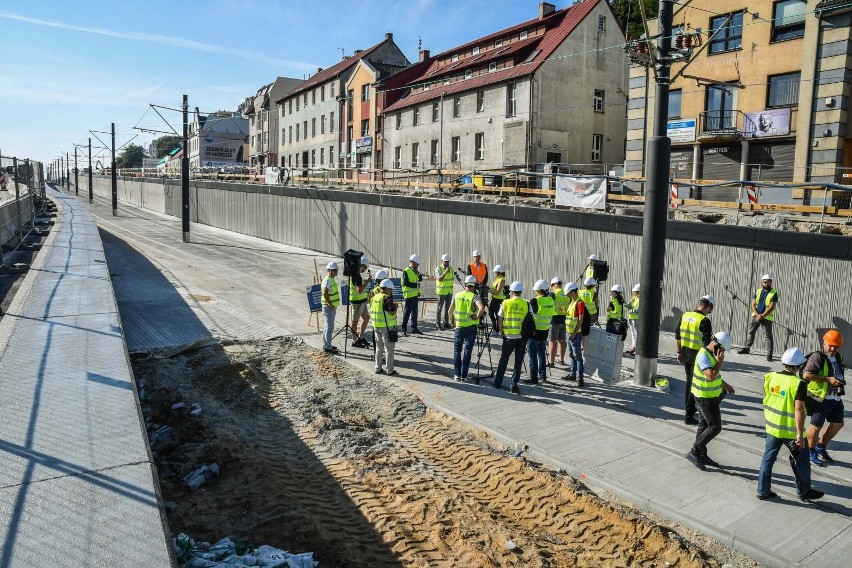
445	258
636	288
499	268
516	287
617	288
365	261
381	274
556	280
833	338
476	253
724	339
767	276
387	283
470	280
571	287
414	258
540	285
589	282
710	298
794	357
593	257
332	266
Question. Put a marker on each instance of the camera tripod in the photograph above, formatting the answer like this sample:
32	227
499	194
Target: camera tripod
483	343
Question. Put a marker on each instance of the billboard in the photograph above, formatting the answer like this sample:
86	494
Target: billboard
581	192
769	122
219	152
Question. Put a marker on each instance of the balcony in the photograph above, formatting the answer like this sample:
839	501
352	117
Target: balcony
724	125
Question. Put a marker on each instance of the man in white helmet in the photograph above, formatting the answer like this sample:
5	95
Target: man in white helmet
633	318
763	305
510	320
383	313
444	289
707	387
466	311
590	267
558	337
694	332
589	294
358	303
411	279
498	294
542	306
575	318
330	300
615	311
784	420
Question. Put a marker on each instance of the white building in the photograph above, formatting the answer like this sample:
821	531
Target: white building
217	140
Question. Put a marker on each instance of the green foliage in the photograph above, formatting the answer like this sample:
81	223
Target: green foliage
629	15
131	156
166	144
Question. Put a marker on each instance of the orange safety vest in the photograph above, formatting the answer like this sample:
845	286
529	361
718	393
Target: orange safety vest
478	272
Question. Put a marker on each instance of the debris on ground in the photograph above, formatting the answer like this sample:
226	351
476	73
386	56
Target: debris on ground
226	553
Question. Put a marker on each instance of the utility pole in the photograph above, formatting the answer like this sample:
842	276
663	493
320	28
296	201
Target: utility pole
184	172
76	173
114	177
656	210
67	172
91	196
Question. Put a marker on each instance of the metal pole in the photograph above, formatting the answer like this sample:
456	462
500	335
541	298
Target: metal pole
114	177
67	172
739	201
656	202
18	201
822	217
76	174
184	173
91	196
30	182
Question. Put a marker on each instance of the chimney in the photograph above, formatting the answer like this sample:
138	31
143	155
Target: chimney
388	36
319	69
357	51
545	9
423	55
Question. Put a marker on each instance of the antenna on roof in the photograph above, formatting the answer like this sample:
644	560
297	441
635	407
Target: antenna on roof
342	52
419	43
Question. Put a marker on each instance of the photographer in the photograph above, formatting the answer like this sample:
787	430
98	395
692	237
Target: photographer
411	279
590	267
824	373
360	307
466	311
444	290
498	294
383	313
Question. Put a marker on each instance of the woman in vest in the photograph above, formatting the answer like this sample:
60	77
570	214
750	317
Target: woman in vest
383	316
615	311
633	318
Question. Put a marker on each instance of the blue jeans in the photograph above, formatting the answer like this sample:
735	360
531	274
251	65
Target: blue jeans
510	346
410	312
575	347
328	314
464	337
770	453
538	365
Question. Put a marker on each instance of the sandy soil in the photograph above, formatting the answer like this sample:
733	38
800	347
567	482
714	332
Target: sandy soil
316	455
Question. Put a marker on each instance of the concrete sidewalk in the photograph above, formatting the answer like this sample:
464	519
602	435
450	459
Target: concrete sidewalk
622	439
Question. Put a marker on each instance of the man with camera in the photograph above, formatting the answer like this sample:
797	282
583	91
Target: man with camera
590	267
824	372
330	300
444	289
359	305
694	332
411	279
510	320
763	306
479	270
383	314
466	310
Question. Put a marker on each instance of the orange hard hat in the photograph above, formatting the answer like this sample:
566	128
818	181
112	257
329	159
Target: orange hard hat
833	337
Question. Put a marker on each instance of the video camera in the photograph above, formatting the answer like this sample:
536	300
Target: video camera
601	270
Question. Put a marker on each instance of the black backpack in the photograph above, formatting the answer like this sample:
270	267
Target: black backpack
528	326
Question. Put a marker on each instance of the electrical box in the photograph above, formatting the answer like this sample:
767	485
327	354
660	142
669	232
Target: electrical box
602	355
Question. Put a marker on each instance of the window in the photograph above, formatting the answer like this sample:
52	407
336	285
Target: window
498	42
265	138
788	19
457	106
322	95
455	144
511	99
434	153
480	101
416	120
365	93
282	111
597	143
290	106
492	67
601	23
468	74
314	97
297	133
397	157
322	124
599	100
349	97
331	90
674	103
331	155
297	104
322	156
522	35
455	58
313	127
365	127
253	139
784	90
731	35
475	51
331	122
283	135
480	145
349	132
252	120
398	120
290	134
436	112
415	154
313	158
719	107
305	99
305	129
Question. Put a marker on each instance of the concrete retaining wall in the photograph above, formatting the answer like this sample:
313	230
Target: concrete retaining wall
9	220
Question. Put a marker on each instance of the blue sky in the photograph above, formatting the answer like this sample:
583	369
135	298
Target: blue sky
72	66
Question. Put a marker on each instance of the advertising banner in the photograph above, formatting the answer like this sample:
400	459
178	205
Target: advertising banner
681	130
221	152
589	193
769	122
271	175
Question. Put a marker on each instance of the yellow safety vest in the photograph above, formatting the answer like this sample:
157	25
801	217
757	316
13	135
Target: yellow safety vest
572	322
771	296
690	334
514	311
465	309
560	302
818	391
544	313
590	272
409	291
354	296
779	404
444	286
588	297
502	294
381	319
617	312
701	387
333	292
633	308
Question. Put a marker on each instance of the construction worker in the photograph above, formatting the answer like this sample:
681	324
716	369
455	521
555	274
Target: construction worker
411	279
615	310
444	289
824	373
557	323
381	274
590	267
360	306
589	295
763	306
465	312
707	387
330	300
633	318
498	294
510	318
542	308
694	332
575	316
478	270
784	395
383	314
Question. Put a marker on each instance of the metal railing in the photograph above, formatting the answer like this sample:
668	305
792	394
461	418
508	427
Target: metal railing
725	125
22	193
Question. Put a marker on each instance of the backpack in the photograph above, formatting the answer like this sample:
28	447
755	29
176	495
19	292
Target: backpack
528	326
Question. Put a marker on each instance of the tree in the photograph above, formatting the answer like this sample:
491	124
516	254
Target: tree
166	144
629	15
131	156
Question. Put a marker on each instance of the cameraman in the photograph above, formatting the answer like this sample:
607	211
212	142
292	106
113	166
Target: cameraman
824	373
498	294
360	306
411	279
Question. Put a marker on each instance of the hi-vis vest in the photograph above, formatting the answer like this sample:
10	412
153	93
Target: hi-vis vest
444	286
701	387
545	312
333	292
690	335
590	272
617	312
502	294
817	391
478	272
379	317
771	296
560	302
779	404
514	311
588	297
572	322
354	296
413	290
465	309
633	308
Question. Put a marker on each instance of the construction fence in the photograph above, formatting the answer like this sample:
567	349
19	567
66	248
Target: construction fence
21	197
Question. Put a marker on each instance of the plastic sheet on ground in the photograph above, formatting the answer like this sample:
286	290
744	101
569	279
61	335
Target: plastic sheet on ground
227	554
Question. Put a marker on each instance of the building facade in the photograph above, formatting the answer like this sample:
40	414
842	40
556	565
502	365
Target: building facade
217	140
263	118
544	91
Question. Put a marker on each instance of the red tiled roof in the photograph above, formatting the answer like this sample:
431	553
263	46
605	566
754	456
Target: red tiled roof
560	25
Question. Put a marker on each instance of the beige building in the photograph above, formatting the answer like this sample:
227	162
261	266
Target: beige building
261	112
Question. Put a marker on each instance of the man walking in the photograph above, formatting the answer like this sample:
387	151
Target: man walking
383	314
359	305
330	300
411	279
557	323
510	319
444	289
707	386
542	308
784	417
498	294
465	312
694	332
763	306
824	373
575	316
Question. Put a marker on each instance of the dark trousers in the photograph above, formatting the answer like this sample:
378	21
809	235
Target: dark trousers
510	346
493	308
767	327
709	425
463	342
410	312
688	355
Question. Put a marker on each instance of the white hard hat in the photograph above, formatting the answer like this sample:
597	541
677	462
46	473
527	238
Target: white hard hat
593	257
767	277
499	268
476	253
724	339
469	280
386	283
636	288
332	266
445	257
365	261
589	282
794	357
381	274
617	288
414	258
555	280
540	285
710	298
516	287
571	287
